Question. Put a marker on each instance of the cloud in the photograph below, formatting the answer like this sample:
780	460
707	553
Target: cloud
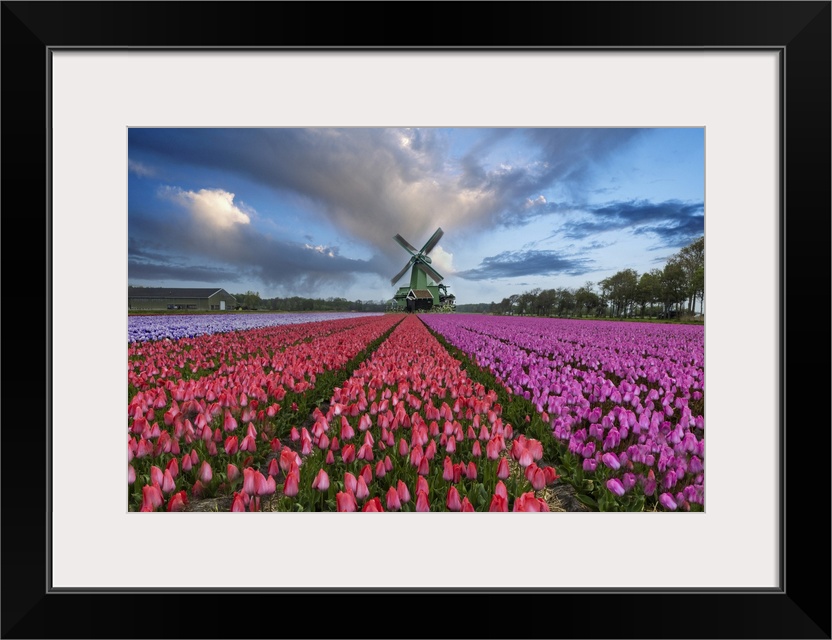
674	222
240	253
442	261
210	206
512	264
140	169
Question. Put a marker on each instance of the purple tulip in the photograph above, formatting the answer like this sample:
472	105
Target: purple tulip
611	460
666	500
615	486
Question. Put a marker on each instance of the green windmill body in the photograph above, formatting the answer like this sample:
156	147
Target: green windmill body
424	291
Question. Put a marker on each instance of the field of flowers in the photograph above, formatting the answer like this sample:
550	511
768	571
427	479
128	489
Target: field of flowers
397	412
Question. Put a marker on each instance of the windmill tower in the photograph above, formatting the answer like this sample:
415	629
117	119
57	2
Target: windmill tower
424	291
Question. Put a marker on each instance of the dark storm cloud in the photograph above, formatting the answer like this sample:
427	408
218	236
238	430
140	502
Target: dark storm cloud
158	242
511	264
675	223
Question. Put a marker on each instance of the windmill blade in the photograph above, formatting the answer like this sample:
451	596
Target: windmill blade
430	271
404	243
398	276
430	244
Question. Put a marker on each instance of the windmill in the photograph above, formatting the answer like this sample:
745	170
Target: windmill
425	289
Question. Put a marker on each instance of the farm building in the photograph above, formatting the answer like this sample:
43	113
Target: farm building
159	298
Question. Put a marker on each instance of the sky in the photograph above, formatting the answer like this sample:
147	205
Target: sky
312	212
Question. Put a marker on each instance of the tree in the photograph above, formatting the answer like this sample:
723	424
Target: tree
691	258
674	285
648	290
620	290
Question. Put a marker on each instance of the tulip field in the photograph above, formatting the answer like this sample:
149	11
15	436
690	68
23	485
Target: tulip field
413	412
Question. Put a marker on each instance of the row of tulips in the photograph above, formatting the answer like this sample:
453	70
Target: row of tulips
624	400
174	327
278	347
198	434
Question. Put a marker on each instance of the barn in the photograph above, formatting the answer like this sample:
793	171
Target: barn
164	298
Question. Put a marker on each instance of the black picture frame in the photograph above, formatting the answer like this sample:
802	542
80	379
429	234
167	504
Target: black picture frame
800	608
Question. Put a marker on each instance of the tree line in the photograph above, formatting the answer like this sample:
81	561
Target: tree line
673	291
252	300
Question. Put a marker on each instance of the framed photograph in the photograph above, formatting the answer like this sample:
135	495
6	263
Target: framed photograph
753	76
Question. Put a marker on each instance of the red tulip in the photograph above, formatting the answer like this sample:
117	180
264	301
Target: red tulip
156	475
273	469
367	473
498	503
151	497
131	474
232	472
348	453
503	470
238	505
229	423
178	501
248	444
373	505
231	445
471	471
345	501
365	452
466	505
447	469
422	485
424	466
287	457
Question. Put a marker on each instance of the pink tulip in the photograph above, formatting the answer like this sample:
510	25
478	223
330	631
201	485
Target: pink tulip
291	485
394	503
321	481
345	502
373	505
422	504
151	497
178	501
402	490
205	472
453	501
168	484
361	490
238	505
231	445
